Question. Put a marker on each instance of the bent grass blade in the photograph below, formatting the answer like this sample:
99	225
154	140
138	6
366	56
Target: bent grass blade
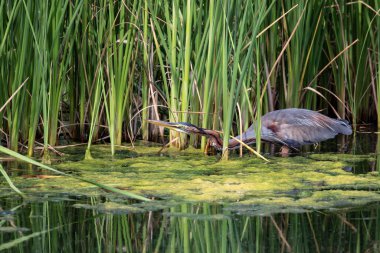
250	149
9	181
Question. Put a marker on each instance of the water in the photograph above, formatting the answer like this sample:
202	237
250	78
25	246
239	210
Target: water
317	202
75	224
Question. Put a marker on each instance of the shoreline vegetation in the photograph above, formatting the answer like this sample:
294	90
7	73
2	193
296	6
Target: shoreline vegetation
90	71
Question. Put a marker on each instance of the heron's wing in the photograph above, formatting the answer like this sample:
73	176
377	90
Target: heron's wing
297	127
249	136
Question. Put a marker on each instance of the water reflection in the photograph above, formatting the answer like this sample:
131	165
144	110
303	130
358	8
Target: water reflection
71	225
365	143
361	167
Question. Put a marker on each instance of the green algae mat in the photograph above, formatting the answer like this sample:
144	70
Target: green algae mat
246	184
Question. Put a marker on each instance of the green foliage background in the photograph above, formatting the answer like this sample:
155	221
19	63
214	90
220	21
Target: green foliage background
88	70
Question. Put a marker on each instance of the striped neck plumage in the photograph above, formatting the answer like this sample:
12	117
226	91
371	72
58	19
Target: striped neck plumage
217	142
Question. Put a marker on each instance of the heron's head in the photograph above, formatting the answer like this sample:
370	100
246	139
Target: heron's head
182	127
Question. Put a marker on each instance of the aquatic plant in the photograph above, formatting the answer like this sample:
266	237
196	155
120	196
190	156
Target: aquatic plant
96	70
83	179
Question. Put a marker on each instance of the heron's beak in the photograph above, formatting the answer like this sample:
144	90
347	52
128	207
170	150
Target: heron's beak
171	125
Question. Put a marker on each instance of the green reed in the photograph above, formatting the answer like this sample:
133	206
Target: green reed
91	95
9	181
16	60
377	90
145	83
302	63
120	64
97	70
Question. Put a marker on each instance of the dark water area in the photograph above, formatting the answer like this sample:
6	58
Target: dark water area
75	224
68	221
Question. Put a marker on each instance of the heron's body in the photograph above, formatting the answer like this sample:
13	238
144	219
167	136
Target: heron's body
287	127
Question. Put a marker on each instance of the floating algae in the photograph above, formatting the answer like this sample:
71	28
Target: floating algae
111	207
313	182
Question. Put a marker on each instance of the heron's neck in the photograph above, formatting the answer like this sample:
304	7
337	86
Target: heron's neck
217	142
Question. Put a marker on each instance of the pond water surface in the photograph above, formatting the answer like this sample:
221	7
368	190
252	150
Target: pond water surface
322	200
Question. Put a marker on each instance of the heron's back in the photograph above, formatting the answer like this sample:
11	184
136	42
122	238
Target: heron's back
296	127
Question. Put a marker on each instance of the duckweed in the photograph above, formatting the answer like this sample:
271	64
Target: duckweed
295	183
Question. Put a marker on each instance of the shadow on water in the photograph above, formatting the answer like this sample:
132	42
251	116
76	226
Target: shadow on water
361	167
69	224
329	218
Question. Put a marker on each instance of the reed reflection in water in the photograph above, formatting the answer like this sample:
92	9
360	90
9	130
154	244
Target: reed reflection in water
72	224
